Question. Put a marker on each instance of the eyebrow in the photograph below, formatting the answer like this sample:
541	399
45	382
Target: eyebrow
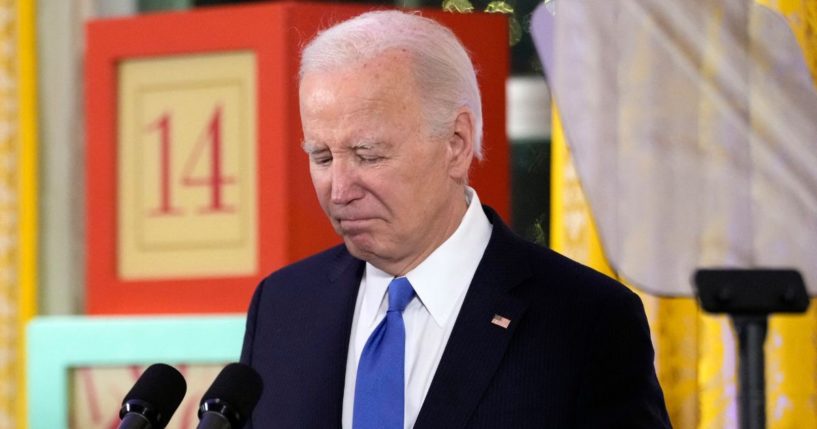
310	147
370	143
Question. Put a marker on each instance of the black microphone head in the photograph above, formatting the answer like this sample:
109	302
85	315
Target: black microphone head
234	393
156	395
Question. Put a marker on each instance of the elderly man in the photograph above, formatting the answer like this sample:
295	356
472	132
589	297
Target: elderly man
432	314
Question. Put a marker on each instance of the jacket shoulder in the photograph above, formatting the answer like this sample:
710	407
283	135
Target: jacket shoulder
312	266
567	273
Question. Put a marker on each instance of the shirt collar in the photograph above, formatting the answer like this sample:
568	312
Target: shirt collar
442	279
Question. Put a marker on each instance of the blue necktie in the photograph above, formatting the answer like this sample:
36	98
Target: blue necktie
380	386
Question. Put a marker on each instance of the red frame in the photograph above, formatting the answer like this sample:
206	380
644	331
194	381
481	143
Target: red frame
290	222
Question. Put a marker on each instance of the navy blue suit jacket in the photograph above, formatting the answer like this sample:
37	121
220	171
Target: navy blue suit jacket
577	352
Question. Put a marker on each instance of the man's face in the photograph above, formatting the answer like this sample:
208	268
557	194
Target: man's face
392	193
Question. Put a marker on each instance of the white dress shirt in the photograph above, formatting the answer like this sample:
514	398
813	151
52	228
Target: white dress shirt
440	283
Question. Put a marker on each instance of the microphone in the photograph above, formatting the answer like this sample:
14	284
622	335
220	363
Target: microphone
153	399
229	401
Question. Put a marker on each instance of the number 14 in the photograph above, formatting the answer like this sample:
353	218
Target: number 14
210	139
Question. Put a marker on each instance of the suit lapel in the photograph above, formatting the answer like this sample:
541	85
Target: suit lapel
344	277
476	345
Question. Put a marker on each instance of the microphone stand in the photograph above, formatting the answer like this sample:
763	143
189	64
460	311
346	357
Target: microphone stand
212	420
135	421
749	296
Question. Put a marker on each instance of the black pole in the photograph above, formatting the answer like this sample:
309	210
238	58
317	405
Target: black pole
211	420
749	296
135	421
751	332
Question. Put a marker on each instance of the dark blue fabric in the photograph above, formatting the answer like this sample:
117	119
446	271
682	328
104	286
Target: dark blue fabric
576	353
380	383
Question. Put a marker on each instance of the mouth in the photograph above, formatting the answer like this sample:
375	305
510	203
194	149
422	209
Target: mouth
353	225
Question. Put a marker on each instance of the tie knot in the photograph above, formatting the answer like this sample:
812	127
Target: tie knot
400	293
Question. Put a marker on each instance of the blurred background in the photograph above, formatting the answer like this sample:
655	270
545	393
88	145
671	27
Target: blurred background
68	335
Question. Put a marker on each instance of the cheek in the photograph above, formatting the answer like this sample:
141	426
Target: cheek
321	184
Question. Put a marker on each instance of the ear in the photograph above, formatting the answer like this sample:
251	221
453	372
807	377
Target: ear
461	146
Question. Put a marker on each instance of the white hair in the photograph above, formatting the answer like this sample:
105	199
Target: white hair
441	67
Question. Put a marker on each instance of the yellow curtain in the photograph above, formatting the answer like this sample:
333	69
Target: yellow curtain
695	353
672	321
18	186
791	347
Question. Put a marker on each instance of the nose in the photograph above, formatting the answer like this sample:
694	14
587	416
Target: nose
345	183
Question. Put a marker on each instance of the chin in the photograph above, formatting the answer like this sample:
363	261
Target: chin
363	255
361	248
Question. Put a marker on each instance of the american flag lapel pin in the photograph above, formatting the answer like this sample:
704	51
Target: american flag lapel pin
500	321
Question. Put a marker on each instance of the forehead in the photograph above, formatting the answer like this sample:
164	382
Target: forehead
384	77
375	93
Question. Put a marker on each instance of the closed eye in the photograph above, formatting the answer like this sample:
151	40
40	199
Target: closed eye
322	160
367	154
323	157
369	159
